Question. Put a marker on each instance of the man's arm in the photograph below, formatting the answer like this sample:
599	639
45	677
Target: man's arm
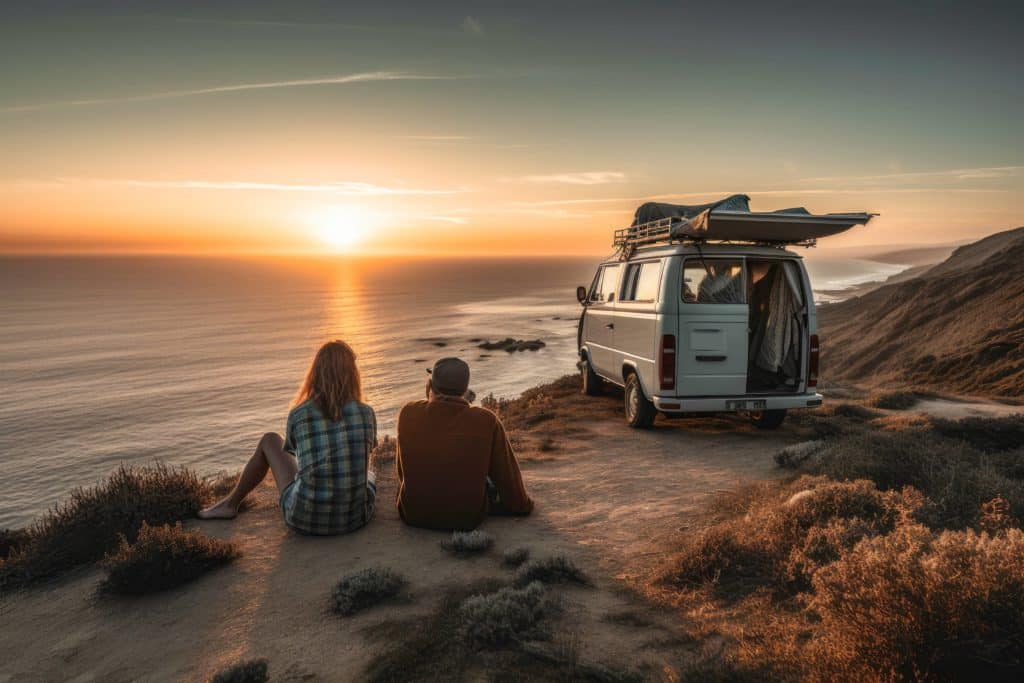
504	472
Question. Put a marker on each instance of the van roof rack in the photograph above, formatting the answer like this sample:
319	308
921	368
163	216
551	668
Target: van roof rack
661	230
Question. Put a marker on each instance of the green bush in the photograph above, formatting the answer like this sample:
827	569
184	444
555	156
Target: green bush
555	569
91	522
468	542
365	588
503	617
253	671
163	557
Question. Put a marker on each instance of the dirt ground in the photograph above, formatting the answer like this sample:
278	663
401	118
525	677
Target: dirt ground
606	496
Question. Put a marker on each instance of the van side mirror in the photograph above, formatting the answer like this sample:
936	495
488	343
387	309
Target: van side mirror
581	294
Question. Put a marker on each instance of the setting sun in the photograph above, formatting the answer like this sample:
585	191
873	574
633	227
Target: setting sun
341	227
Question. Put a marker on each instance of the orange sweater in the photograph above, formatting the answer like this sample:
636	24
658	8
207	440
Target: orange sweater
446	451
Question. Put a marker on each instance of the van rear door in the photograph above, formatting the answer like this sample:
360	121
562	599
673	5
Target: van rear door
713	328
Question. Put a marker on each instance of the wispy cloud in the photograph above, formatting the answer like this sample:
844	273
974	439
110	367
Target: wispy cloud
586	178
343	188
456	220
472	26
349	79
981	173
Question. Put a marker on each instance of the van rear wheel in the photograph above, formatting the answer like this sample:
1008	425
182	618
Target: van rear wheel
768	419
640	412
590	382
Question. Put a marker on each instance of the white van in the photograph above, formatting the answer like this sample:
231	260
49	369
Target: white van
704	309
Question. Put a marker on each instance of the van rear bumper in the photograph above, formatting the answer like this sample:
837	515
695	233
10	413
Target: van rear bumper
723	404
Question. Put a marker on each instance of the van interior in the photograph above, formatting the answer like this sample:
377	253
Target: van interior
777	318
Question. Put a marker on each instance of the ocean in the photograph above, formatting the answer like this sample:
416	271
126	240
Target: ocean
105	359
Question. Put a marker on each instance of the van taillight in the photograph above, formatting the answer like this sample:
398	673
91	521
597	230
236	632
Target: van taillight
667	361
812	364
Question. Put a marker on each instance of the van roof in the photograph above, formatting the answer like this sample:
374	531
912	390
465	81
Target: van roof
710	249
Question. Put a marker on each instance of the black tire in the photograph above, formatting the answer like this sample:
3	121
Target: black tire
768	419
590	382
640	412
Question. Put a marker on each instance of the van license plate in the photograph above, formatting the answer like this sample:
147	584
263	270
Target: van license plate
744	405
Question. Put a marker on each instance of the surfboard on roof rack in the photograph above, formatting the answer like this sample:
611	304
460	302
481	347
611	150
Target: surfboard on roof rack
731	220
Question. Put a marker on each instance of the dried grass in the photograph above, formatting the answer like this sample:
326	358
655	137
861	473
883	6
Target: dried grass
468	542
365	588
163	557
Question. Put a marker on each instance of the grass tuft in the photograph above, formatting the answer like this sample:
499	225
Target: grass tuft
12	540
893	400
365	588
90	523
555	569
253	671
468	542
163	557
504	617
513	557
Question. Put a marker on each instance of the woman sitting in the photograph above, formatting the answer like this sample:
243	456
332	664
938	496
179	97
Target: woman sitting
321	466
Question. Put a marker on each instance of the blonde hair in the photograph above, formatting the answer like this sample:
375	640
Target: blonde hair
332	380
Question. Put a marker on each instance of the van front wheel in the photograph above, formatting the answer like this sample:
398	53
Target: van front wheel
640	412
590	382
768	419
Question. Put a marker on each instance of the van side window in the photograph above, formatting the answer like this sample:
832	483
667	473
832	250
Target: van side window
642	281
605	285
713	281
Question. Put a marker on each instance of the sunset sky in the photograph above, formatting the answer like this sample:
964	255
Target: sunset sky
487	127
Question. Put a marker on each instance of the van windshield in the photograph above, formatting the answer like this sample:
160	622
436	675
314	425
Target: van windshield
713	281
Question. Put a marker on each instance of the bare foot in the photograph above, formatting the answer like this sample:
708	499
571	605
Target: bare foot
222	510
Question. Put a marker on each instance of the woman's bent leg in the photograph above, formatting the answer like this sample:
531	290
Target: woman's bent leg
270	455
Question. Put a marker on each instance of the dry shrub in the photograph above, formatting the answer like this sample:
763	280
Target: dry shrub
555	569
90	523
385	452
252	671
785	536
505	616
916	605
365	588
513	557
468	542
792	456
989	434
893	400
12	540
163	557
955	478
995	516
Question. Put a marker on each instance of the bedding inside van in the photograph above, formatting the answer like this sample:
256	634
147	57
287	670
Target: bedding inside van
776	326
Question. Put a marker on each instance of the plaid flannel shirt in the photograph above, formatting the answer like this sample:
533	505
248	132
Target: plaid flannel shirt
331	493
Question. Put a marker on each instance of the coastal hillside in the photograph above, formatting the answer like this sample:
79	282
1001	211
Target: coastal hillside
958	327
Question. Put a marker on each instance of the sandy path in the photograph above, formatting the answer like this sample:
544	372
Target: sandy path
603	499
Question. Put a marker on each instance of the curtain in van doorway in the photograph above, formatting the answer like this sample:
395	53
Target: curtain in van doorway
780	344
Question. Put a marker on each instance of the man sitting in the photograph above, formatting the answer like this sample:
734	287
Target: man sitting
455	464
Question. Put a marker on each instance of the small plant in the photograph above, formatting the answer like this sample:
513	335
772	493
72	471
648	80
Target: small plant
468	542
555	569
252	671
91	522
163	557
513	557
365	588
385	452
792	456
894	400
995	516
504	617
12	540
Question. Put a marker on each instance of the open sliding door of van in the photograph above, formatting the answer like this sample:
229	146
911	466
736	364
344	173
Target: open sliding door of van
713	328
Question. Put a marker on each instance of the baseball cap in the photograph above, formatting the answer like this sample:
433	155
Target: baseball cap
450	376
